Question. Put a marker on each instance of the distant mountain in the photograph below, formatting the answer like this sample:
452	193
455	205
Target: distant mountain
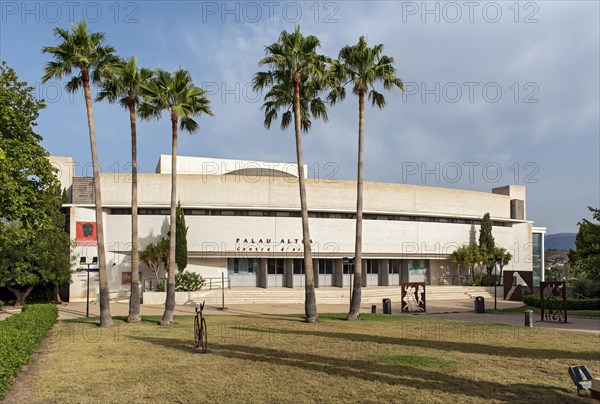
560	241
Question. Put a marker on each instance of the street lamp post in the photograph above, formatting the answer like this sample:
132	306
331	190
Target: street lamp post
494	262
83	261
349	263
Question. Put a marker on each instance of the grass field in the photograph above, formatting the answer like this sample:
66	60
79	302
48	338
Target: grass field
281	359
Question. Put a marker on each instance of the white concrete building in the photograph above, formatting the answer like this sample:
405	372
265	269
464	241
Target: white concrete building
244	222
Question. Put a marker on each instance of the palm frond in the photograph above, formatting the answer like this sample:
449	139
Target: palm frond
294	57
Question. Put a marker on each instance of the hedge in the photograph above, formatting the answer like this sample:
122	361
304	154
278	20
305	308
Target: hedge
572	304
20	336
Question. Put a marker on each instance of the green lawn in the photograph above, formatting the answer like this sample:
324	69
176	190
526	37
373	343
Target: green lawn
281	359
536	310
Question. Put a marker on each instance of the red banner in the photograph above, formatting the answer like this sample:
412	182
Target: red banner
85	233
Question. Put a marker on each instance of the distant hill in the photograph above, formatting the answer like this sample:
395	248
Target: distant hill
560	241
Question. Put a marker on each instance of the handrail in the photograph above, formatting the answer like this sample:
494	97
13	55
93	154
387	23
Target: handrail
212	282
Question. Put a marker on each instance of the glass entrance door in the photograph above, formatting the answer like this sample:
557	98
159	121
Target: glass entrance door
325	272
275	273
298	273
418	271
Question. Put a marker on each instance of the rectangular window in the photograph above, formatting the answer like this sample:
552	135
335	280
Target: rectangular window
242	266
372	266
325	267
418	271
298	266
275	267
394	266
120	211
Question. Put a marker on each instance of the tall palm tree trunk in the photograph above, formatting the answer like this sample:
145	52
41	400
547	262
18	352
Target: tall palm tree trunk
310	299
170	302
134	297
354	313
105	317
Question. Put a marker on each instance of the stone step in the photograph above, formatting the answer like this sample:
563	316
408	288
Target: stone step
332	295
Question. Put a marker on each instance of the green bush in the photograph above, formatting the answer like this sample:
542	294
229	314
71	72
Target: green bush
20	336
572	304
188	282
585	287
488	280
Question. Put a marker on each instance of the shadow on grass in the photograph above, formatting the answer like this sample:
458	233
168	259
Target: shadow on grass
420	339
369	371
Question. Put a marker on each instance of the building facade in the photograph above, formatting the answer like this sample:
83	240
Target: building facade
244	224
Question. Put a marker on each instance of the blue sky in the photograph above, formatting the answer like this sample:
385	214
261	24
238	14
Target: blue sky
496	92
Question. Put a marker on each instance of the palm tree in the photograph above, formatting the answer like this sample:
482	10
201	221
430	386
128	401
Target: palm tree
124	86
176	93
297	74
362	66
86	53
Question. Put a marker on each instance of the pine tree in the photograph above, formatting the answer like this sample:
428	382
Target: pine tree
181	239
487	245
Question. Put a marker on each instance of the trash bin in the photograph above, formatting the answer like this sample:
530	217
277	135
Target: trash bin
373	309
529	318
479	304
387	306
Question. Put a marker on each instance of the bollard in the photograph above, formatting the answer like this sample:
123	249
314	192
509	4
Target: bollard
529	318
374	309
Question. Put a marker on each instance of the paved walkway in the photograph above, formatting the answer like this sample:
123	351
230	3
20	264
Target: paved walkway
574	323
75	310
461	310
8	313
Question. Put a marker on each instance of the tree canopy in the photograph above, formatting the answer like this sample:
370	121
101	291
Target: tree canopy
34	246
25	173
587	242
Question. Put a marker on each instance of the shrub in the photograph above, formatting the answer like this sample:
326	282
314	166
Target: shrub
585	287
572	304
188	282
20	336
476	281
489	280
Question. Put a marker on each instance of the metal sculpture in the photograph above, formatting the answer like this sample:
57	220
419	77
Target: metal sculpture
553	301
413	297
200	334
